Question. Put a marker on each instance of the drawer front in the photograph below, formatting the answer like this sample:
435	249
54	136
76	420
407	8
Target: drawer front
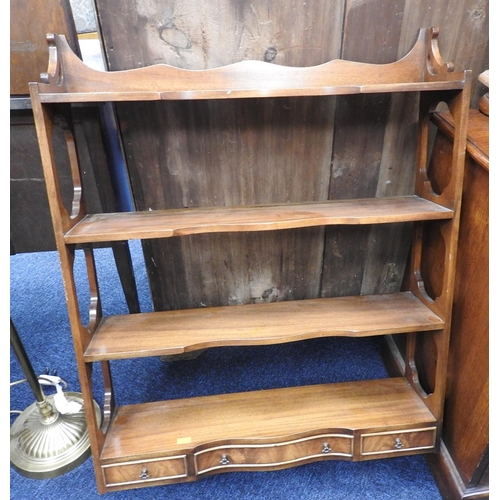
273	455
143	471
398	442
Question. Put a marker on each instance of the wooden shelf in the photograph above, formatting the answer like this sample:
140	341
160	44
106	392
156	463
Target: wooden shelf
269	416
181	222
244	79
251	92
175	332
180	440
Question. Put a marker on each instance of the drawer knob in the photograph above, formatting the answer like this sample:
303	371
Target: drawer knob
326	448
224	460
398	444
144	473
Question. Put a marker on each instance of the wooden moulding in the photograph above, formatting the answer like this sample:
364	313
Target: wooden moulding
68	79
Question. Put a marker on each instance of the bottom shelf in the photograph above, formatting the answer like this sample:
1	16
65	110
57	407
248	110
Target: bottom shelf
181	440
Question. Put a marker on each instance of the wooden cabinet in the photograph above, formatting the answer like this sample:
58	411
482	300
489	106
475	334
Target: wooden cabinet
30	222
183	439
462	466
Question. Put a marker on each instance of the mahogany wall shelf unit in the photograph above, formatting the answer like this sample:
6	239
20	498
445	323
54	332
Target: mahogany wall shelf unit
183	440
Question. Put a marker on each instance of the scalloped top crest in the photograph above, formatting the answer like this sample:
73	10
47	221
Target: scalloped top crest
420	69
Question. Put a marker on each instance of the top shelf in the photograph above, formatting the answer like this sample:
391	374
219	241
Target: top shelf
68	79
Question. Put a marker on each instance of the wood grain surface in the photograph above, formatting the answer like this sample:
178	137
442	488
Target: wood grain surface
174	332
267	416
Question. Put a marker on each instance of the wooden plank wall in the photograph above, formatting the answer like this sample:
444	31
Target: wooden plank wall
280	150
29	52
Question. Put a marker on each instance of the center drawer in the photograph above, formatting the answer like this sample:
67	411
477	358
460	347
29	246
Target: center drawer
274	454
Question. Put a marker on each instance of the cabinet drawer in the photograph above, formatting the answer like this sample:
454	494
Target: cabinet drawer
142	471
398	442
275	454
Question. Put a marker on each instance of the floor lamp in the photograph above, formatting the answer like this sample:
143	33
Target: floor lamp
45	442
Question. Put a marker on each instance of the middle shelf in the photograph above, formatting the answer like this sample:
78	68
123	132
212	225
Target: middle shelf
174	332
180	222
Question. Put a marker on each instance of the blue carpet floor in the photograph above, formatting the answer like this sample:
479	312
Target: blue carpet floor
38	311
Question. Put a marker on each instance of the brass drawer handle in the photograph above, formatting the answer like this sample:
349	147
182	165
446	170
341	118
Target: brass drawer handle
224	460
398	444
144	474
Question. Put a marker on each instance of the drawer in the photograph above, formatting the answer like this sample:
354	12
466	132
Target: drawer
142	471
398	442
273	455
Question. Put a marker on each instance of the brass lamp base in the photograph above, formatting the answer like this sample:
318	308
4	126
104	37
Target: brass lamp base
45	443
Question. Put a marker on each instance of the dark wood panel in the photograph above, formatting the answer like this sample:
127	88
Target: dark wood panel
466	420
464	34
28	195
30	222
387	146
227	153
29	52
193	161
231	154
356	259
199	35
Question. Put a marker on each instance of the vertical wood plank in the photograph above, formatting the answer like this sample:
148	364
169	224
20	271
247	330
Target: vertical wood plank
193	163
199	35
391	29
227	153
463	40
29	52
371	34
464	33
